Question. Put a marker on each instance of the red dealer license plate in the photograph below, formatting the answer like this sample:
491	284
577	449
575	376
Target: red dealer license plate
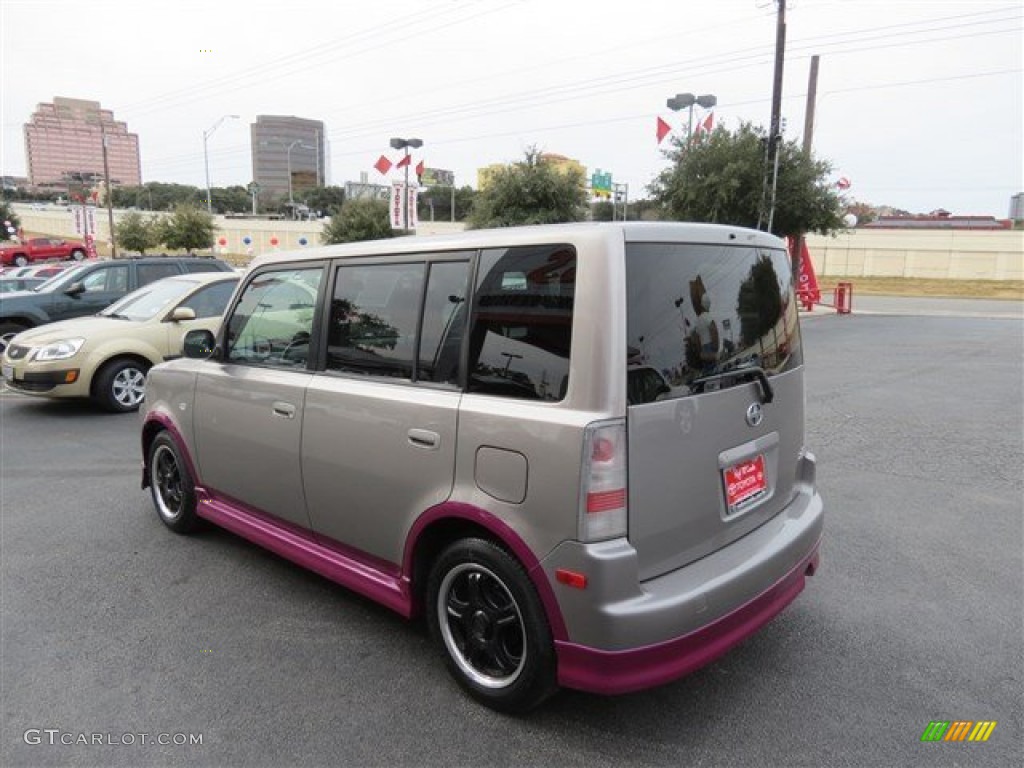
744	481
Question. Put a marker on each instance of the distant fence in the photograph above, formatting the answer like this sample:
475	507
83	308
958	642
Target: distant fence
264	235
940	254
943	254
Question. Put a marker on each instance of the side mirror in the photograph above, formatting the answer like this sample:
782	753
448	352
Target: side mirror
75	289
182	313
199	344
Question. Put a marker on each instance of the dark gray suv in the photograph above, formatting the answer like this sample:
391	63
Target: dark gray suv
90	287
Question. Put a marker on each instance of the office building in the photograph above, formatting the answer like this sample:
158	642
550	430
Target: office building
64	144
282	144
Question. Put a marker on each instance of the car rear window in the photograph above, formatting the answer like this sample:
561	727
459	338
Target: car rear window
699	316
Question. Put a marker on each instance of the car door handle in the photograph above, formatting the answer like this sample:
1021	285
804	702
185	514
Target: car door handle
286	410
424	438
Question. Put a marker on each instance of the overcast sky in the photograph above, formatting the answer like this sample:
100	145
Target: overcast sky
920	102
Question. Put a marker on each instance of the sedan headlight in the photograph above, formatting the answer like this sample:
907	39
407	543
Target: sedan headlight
58	350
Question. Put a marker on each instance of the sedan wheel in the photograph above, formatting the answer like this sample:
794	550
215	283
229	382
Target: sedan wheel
121	386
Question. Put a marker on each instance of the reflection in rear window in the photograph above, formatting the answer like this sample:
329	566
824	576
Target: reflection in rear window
699	316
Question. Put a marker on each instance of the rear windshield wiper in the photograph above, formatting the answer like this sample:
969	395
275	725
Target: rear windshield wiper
767	393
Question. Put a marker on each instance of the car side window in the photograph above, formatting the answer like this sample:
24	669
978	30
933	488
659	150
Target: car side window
149	273
521	324
444	322
272	323
210	300
107	279
374	312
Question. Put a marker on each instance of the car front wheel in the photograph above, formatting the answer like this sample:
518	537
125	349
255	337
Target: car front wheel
121	386
78	254
484	614
171	485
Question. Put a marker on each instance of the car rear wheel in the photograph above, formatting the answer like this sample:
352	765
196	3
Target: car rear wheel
21	261
486	618
78	254
171	485
120	386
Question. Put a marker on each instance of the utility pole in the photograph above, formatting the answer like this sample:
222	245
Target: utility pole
812	96
110	201
771	164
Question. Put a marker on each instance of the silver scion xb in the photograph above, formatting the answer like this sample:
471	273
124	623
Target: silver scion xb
576	450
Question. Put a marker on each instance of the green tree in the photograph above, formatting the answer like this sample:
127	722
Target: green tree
327	200
720	179
360	219
531	191
7	214
441	197
188	228
136	232
233	199
157	196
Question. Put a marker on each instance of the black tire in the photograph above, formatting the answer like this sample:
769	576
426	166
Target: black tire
78	254
487	620
171	485
120	385
7	332
21	261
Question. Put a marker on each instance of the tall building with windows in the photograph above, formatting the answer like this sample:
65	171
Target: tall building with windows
64	145
281	144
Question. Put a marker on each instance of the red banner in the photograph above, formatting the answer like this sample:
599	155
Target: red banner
807	289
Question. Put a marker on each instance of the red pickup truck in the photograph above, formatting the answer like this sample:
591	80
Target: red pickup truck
40	249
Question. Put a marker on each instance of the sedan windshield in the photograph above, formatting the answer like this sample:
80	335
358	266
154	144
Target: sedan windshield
149	300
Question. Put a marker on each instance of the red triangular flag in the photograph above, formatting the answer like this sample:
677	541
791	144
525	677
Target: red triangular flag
708	123
403	162
383	165
419	168
663	130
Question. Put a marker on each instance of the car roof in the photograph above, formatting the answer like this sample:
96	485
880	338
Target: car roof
201	278
474	239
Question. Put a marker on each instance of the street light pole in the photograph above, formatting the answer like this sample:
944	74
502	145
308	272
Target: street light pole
686	101
206	157
405	144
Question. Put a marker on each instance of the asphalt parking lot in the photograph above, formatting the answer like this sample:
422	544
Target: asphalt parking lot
112	625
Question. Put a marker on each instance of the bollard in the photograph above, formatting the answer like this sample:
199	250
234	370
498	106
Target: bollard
843	298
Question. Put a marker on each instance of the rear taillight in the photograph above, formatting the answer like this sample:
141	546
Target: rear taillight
603	495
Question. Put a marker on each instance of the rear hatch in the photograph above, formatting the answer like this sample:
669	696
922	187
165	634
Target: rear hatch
716	404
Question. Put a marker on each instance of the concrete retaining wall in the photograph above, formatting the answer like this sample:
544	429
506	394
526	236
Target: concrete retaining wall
943	254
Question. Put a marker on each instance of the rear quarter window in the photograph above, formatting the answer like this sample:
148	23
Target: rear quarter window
521	323
699	315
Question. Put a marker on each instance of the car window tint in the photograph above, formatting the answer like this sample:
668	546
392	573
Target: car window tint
150	272
211	300
273	321
107	279
374	312
701	316
521	325
444	321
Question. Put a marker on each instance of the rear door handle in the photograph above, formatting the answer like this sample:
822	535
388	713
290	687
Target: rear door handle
285	410
424	438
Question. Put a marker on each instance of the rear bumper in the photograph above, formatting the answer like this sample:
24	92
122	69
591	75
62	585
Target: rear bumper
625	635
612	672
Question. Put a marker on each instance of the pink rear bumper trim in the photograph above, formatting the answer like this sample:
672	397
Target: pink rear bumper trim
612	672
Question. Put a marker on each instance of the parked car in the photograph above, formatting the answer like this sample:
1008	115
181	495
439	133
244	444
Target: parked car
88	288
41	249
12	284
445	425
106	356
